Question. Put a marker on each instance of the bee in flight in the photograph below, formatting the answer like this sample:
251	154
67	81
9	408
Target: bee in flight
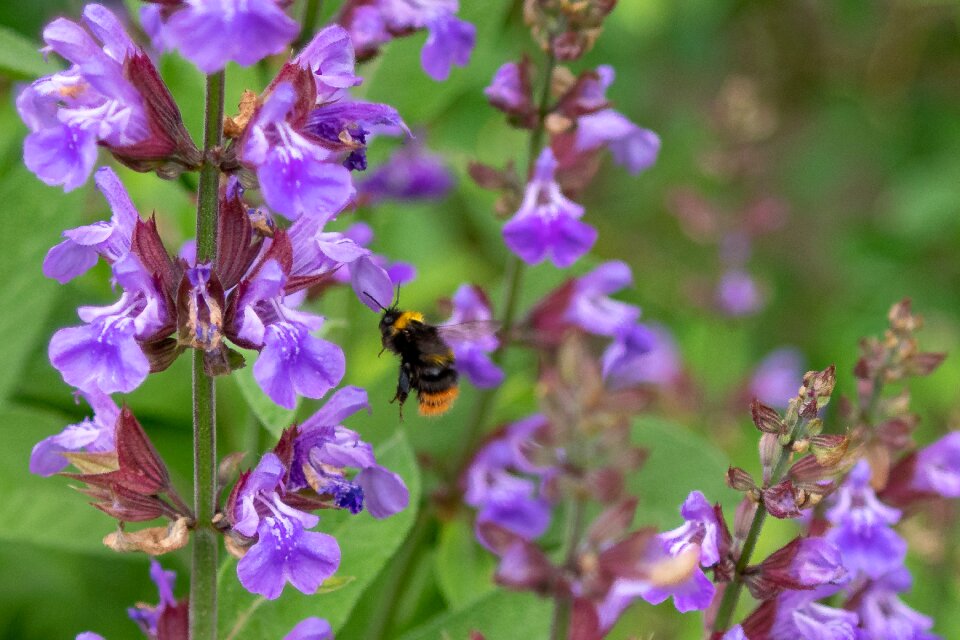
427	362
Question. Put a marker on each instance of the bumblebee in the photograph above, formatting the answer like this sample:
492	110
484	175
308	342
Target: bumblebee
427	363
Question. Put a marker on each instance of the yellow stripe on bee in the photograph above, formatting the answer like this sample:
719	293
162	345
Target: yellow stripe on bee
444	358
406	318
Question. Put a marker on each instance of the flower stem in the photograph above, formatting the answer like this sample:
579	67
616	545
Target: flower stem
562	608
203	582
731	594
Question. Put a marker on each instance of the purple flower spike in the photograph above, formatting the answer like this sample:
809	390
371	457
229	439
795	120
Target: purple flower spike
78	253
778	377
937	468
593	310
311	629
449	42
211	33
96	434
547	223
470	305
285	552
862	527
503	496
294	362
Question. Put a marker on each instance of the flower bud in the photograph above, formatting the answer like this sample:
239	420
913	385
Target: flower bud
740	480
829	449
766	418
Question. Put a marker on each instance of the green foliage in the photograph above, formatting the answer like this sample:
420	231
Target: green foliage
464	569
366	545
20	58
274	418
500	615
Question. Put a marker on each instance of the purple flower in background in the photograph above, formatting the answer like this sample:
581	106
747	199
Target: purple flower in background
89	635
411	173
593	310
500	494
937	467
700	532
737	294
735	633
211	33
641	354
885	617
79	251
69	112
471	347
311	629
777	377
94	435
148	617
862	527
450	41
547	223
509	90
328	448
800	617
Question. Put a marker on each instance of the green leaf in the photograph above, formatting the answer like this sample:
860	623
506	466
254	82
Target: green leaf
366	545
37	216
274	418
464	569
42	511
679	462
499	615
20	57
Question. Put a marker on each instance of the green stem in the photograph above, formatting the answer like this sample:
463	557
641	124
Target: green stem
560	626
731	594
310	14
203	582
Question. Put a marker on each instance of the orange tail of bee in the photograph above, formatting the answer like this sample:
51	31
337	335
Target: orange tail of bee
437	403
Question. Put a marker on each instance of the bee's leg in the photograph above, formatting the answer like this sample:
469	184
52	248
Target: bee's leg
403	387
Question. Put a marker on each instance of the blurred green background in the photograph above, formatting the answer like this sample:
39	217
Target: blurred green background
841	118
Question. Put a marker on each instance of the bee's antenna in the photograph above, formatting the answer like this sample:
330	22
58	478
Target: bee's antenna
397	303
375	301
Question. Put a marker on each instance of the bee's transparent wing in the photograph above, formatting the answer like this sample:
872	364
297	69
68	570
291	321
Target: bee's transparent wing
468	331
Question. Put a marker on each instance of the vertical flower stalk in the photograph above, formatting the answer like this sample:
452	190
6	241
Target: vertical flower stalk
203	591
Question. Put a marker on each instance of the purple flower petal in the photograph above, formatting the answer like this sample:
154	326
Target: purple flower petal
371	283
331	58
384	491
211	33
449	42
101	356
61	155
311	629
632	147
294	362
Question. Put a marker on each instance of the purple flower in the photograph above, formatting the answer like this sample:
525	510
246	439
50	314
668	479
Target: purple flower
450	41
735	633
547	223
641	354
799	617
411	173
294	172
294	362
311	629
78	253
701	532
211	33
370	275
69	112
862	527
804	563
500	494
509	90
593	310
937	467
94	435
885	617
286	552
777	378
89	635
471	309
328	448
737	294
105	355
148	617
